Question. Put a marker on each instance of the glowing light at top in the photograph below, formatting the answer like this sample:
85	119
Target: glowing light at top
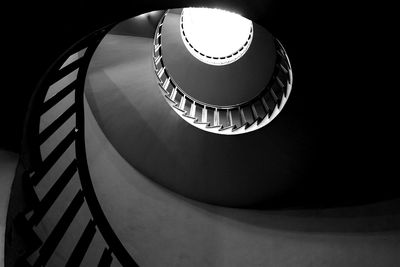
215	36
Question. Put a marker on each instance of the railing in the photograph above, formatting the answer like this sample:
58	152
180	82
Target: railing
234	119
64	82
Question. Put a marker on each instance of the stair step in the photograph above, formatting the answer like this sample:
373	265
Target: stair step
251	124
197	121
242	127
223	128
190	117
169	100
213	126
179	109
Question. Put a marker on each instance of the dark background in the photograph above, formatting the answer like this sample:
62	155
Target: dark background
344	63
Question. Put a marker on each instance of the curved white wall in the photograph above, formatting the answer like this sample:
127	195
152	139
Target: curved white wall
161	228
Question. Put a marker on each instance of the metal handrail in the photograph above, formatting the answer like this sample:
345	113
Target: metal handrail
31	155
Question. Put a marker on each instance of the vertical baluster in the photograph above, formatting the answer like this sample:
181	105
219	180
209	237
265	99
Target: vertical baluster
283	69
173	94
279	82
254	111
161	72
158	59
229	114
193	110
204	115
242	117
265	105
216	117
276	99
166	83
182	103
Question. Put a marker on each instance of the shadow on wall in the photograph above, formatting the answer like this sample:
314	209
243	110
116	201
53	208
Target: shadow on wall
378	217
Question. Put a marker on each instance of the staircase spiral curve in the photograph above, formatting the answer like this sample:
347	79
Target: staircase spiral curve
234	119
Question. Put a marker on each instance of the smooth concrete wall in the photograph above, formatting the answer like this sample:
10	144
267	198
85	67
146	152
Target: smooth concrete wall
8	164
126	115
161	228
122	91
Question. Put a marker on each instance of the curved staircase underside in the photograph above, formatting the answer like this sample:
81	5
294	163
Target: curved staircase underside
127	103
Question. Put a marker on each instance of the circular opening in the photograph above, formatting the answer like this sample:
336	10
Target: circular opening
215	36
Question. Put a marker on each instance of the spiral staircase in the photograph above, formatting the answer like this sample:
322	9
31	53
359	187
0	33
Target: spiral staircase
55	109
53	176
234	119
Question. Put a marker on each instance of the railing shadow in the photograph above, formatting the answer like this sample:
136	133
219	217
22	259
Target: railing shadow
22	240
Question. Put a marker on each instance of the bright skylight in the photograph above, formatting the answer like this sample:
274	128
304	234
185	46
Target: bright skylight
215	36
